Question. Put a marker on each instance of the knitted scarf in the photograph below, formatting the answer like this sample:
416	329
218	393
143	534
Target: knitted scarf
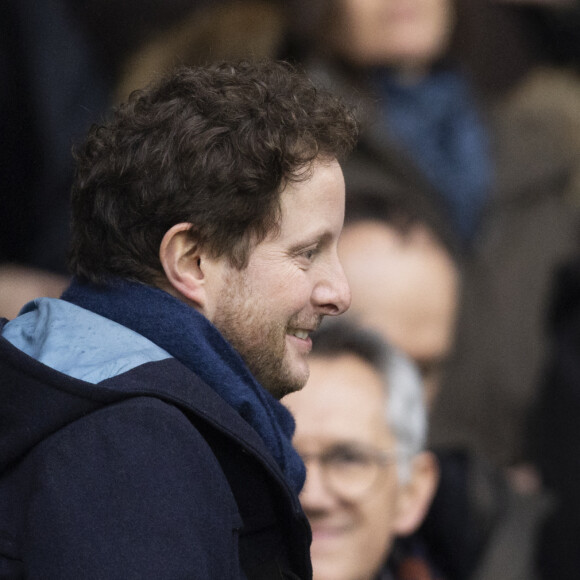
437	122
189	337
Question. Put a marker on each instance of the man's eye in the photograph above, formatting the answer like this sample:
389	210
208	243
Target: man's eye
347	457
309	253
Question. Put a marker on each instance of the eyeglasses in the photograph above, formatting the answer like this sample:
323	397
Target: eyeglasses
351	471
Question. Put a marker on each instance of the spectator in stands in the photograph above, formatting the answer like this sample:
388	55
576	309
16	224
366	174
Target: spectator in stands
405	279
206	216
361	426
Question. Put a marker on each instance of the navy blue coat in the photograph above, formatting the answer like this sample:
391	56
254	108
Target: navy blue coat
149	474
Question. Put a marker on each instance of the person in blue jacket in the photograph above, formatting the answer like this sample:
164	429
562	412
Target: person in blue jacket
141	433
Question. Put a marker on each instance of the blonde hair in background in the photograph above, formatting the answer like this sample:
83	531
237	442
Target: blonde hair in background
233	30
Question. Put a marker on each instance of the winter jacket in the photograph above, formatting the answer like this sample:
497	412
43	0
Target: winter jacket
147	473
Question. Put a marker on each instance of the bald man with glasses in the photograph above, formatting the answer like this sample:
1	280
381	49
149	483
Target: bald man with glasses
360	429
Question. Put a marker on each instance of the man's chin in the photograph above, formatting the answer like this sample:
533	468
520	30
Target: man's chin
281	389
284	374
298	374
289	381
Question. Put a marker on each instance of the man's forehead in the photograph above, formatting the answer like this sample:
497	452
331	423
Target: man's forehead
338	386
313	207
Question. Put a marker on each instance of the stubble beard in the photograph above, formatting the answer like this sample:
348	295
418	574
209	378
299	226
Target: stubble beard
261	344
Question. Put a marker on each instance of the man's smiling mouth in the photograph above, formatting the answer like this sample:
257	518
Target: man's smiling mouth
302	334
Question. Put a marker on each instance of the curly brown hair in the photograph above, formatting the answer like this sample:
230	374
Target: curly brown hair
211	146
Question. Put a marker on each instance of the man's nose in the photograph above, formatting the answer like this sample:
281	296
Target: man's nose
332	293
315	495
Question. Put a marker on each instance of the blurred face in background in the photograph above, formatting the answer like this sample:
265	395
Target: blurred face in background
354	499
407	289
341	410
405	34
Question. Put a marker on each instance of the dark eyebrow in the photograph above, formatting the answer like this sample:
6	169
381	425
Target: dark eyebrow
319	240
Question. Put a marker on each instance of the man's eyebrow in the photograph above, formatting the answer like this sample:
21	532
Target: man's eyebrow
318	239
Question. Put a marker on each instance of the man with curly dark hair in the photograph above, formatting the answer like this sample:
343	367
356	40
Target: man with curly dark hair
142	435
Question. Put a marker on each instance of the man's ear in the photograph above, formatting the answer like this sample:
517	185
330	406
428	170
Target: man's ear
417	494
180	257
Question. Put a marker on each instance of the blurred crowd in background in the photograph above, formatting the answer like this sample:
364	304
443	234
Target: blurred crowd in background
469	158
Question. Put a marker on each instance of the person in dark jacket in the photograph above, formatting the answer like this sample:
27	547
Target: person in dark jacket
141	434
554	436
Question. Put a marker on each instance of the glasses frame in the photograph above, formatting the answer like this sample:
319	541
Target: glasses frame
380	458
